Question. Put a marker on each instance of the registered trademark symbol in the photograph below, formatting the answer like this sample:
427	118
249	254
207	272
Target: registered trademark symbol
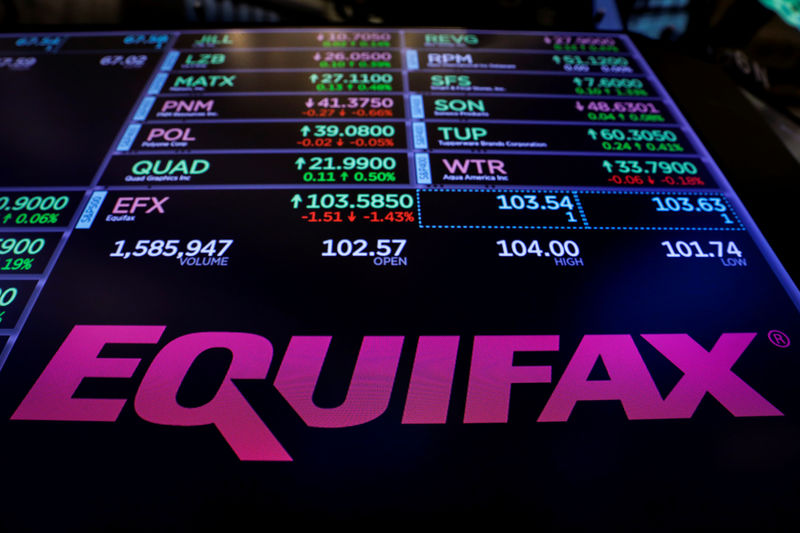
779	338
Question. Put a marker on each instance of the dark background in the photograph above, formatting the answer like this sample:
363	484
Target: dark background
732	67
597	472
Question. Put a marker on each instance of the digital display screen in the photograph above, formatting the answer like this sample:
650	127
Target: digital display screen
378	274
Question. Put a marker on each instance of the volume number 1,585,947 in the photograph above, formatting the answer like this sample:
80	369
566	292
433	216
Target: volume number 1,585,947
172	248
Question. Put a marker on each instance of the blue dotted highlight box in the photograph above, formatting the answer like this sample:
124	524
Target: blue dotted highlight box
437	218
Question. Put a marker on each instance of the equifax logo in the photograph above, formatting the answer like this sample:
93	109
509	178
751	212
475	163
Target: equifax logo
491	375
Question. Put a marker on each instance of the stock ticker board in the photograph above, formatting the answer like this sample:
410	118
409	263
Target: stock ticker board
378	274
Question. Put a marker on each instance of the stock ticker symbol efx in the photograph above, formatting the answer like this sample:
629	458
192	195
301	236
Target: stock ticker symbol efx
128	205
491	376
